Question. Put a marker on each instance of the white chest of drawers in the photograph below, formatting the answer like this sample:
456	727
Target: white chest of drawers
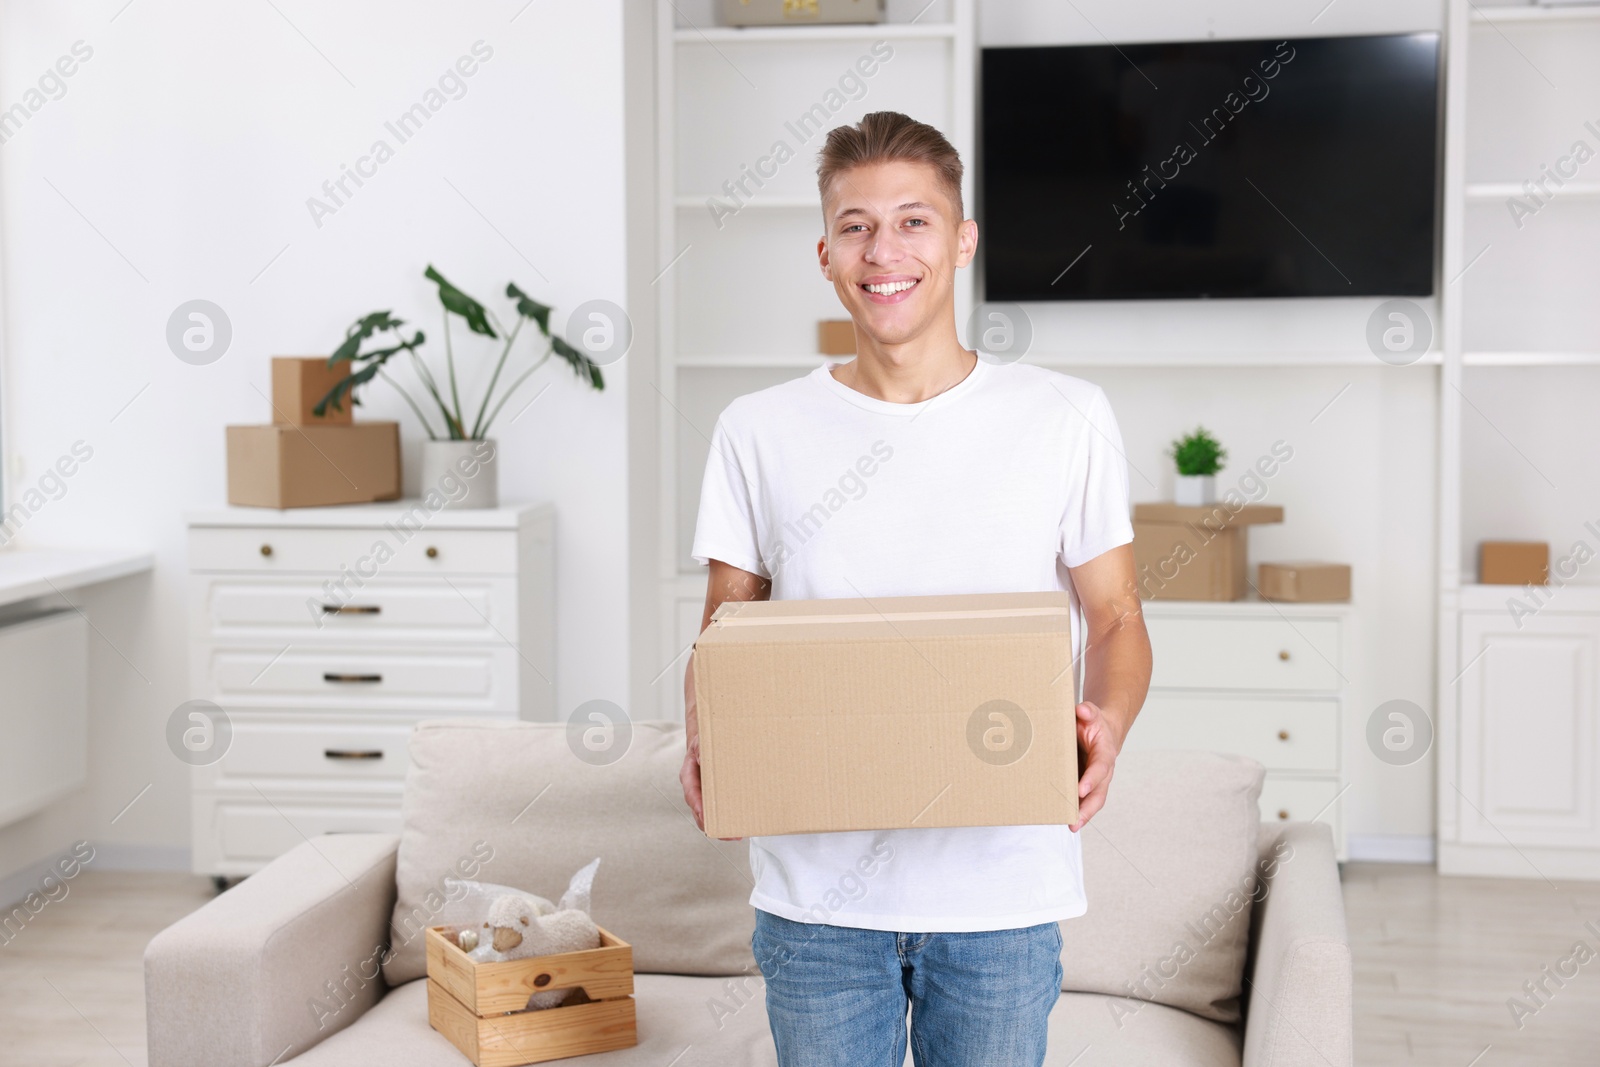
1268	681
325	634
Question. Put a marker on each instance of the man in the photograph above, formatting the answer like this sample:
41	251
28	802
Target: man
919	468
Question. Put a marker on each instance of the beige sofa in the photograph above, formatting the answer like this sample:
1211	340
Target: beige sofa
1210	939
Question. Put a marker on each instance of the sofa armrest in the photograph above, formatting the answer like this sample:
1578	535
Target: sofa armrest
1299	977
282	960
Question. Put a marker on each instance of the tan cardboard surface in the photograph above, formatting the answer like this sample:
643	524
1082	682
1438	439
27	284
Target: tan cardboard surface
1180	561
312	466
1514	563
893	712
1212	516
299	383
1182	552
836	337
1304	581
777	12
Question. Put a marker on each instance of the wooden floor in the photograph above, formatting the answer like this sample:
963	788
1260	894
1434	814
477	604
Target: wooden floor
72	980
1436	961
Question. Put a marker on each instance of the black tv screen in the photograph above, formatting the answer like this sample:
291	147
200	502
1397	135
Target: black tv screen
1306	167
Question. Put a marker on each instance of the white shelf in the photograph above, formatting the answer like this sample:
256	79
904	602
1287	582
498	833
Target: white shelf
1199	360
26	573
1250	605
508	516
1502	190
1534	14
743	361
866	31
1530	359
1352	358
787	203
1573	598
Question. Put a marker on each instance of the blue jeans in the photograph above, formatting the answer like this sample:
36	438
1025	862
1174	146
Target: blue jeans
837	996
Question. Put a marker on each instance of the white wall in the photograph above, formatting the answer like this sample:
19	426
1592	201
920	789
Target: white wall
178	165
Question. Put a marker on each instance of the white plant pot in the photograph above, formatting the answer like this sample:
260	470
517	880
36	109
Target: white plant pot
462	473
1195	490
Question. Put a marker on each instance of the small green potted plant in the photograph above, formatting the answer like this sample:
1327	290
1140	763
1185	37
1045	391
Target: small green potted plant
1199	457
464	452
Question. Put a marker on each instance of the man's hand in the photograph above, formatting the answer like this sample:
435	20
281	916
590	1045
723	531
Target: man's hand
1098	745
724	582
689	776
1116	670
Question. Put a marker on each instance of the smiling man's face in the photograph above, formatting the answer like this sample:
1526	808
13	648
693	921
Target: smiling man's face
893	243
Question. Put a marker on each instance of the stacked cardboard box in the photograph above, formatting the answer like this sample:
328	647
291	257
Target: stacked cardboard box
836	337
301	460
781	12
1304	582
1514	563
1194	553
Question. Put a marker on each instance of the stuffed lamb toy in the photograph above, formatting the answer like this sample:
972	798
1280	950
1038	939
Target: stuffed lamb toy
517	928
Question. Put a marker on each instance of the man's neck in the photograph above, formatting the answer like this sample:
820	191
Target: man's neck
907	373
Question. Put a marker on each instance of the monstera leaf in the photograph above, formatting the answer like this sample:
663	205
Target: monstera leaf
582	365
361	331
530	308
366	365
461	304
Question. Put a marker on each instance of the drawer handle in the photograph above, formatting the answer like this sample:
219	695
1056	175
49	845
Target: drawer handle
1283	814
351	609
432	553
266	550
1284	654
1283	735
331	677
352	753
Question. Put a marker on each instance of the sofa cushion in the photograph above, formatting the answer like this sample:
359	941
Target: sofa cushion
673	1011
510	802
1170	868
678	1027
1088	1030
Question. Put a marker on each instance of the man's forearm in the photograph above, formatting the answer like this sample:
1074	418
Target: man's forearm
1117	672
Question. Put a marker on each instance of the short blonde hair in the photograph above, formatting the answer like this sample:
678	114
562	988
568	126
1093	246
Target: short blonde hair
888	137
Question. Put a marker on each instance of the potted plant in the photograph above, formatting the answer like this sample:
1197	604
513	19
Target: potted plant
464	450
1199	457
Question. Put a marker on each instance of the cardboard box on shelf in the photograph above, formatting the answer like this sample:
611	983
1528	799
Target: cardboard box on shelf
786	12
279	466
1304	581
893	712
299	383
1513	563
836	337
1194	553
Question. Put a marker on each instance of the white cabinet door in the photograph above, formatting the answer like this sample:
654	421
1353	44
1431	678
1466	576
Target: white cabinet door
1527	756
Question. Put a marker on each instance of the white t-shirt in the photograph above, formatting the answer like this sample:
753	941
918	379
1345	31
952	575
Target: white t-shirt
995	485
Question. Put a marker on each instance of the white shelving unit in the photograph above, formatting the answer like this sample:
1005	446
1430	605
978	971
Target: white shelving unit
1518	751
1534	14
881	31
325	634
726	97
1269	681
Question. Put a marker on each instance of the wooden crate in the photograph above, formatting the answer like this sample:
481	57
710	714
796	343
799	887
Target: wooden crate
479	1006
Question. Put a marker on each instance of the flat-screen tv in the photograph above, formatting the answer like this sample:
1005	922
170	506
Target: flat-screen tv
1306	167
